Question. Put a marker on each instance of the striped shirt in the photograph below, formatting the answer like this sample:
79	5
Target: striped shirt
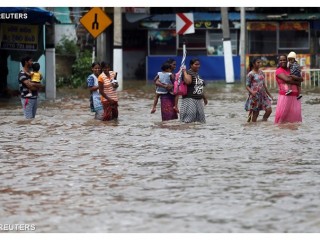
22	76
295	69
107	86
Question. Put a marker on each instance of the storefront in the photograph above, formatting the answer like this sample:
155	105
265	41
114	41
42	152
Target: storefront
267	36
268	39
22	32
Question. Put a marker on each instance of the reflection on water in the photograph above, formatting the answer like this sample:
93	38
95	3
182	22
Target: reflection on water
65	172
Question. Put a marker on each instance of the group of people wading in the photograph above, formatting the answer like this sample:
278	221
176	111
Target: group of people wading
288	77
104	98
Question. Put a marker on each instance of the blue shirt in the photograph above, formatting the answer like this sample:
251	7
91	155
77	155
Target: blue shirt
165	78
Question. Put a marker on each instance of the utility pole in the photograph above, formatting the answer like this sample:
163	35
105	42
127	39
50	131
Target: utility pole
117	45
50	63
242	51
227	50
101	46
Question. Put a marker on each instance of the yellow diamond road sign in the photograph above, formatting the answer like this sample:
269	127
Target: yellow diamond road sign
95	21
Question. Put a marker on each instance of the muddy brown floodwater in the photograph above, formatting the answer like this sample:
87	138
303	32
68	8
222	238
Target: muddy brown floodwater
65	172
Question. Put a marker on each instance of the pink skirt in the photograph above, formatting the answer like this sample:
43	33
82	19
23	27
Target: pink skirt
288	109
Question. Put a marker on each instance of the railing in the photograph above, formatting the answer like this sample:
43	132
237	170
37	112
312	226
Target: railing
311	78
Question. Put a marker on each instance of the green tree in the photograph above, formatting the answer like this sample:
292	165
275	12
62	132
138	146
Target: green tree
81	69
80	66
67	46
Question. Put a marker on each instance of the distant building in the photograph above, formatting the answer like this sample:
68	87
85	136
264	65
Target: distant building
149	37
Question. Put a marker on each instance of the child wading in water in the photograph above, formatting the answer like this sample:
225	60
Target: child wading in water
166	77
295	70
35	75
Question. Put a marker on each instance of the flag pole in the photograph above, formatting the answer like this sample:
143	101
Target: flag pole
184	55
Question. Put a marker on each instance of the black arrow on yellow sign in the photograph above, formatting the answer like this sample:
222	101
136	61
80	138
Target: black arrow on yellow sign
95	24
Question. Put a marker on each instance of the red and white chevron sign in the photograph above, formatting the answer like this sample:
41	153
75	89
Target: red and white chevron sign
184	23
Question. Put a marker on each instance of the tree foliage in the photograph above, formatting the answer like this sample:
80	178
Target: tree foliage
80	66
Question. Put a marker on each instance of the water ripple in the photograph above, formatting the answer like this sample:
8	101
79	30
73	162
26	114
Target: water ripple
66	172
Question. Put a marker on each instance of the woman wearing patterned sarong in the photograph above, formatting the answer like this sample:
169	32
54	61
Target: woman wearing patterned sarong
167	99
107	89
192	104
95	98
167	110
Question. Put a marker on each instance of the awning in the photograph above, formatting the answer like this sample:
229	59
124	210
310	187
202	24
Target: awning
214	18
28	15
202	20
235	16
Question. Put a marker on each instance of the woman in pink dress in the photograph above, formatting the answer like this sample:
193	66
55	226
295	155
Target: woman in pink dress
288	108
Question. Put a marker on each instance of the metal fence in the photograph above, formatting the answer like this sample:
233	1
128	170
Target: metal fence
311	78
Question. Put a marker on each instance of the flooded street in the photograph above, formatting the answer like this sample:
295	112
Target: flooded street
65	172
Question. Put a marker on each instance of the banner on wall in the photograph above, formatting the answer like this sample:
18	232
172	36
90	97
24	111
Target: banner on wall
270	61
261	26
296	26
19	37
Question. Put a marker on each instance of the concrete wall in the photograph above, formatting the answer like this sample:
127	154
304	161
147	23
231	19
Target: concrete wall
212	67
131	60
67	30
64	65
